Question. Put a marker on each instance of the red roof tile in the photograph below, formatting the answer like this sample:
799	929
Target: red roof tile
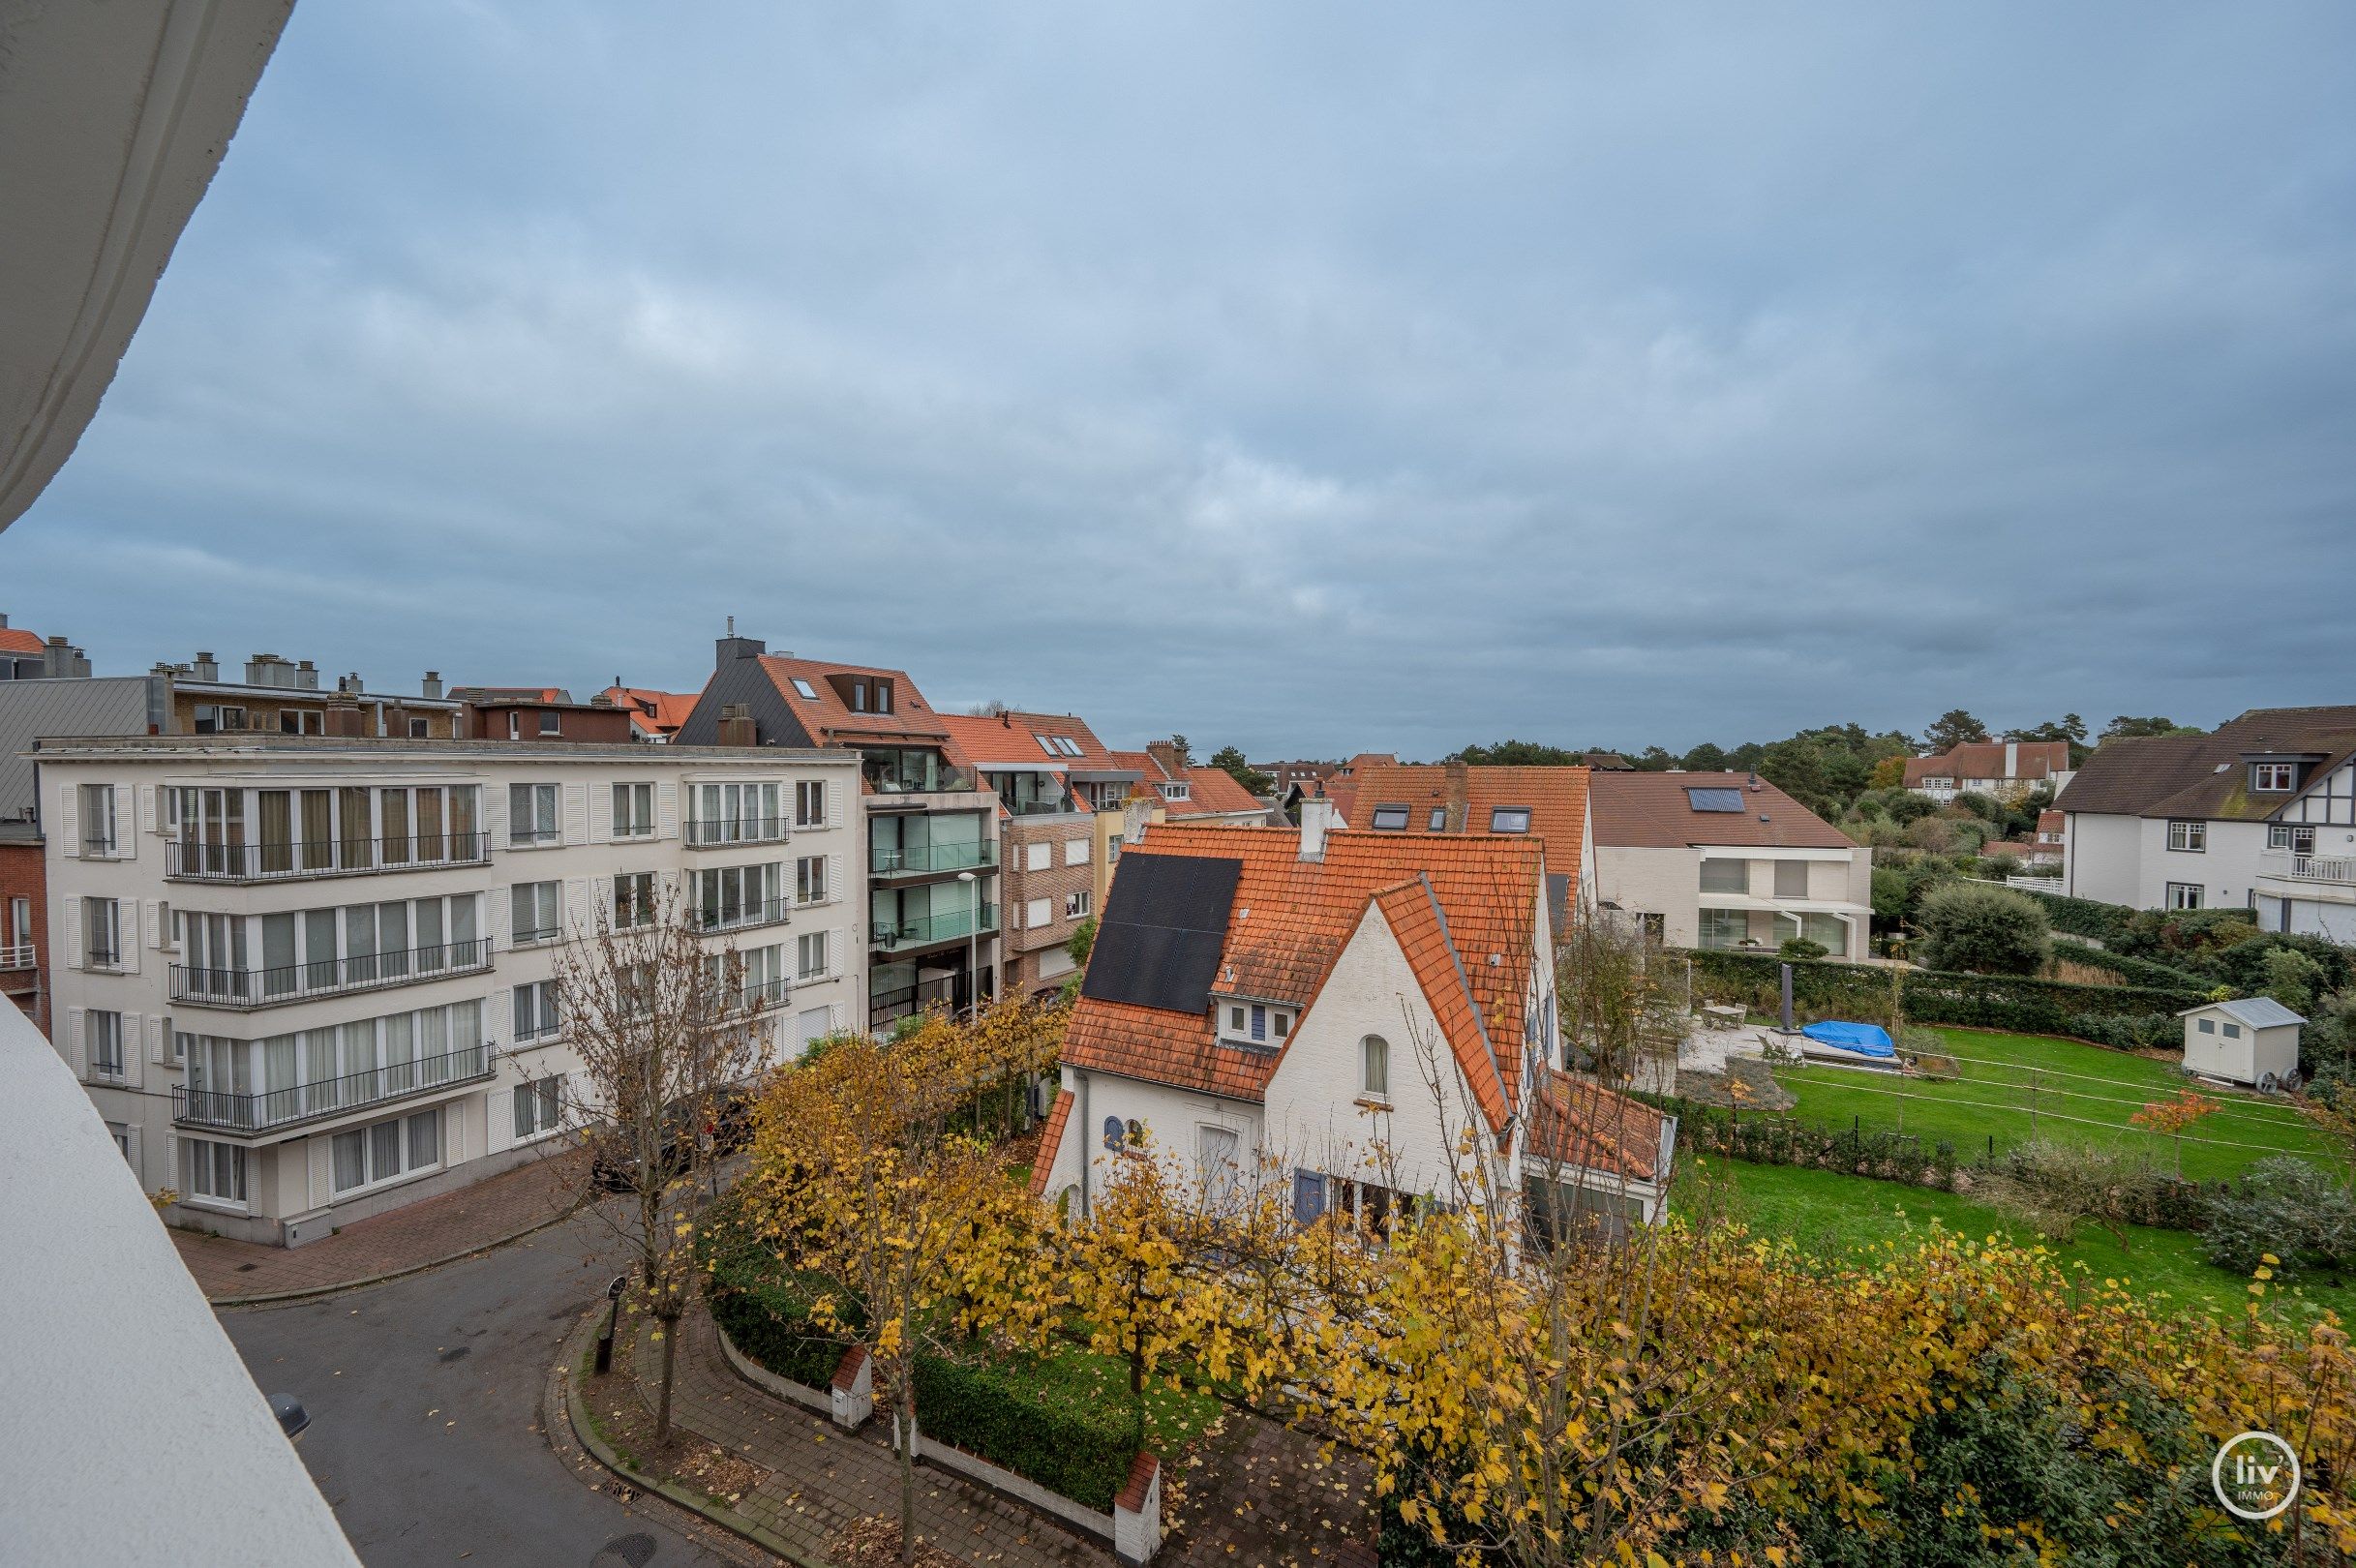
1556	798
1986	759
1578	1122
18	639
1050	1139
1210	791
655	712
1648	810
1012	739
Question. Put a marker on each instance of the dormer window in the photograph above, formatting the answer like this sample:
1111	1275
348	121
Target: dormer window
1175	790
2273	777
1391	819
1509	820
883	696
1258	1022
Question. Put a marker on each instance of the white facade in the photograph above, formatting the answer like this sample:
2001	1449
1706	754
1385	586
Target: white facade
2307	873
308	981
1721	896
2159	862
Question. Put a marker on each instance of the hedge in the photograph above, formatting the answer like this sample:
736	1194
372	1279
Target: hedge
2084	917
2123	1015
2134	970
1034	1419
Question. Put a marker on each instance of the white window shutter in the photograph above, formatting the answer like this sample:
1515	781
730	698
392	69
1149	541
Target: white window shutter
135	1063
126	843
71	909
127	933
171	1161
498	1007
75	1048
69	824
666	809
603	887
835	790
149	816
494	816
601	815
576	814
834	944
131	1136
151	915
159	1038
578	913
834	883
322	1172
498	1108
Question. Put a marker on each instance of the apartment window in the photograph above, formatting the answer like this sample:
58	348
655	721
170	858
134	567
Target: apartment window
1040	912
538	912
2188	835
1723	876
515	725
735	895
1391	819
535	1011
552	722
101	933
1179	790
103	1035
216	1170
810	880
762	972
1791	879
531	813
633	810
1374	1067
2273	777
418	730
539	1107
1077	905
1076	851
633	899
212	718
1260	1021
735	813
301	721
2183	895
20	923
1509	820
810	955
1038	856
121	1135
1827	932
98	818
2297	837
1724	928
384	1151
810	803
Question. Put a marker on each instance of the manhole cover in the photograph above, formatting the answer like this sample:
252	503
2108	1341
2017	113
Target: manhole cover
461	1353
635	1548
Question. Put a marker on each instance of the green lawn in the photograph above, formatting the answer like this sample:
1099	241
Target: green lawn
1828	1212
2017	1087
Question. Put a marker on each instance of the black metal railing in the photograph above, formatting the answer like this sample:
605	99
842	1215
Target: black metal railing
736	830
329	1096
762	995
733	917
102	959
325	977
189	860
99	846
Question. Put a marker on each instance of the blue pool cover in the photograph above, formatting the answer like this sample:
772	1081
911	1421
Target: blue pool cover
1866	1039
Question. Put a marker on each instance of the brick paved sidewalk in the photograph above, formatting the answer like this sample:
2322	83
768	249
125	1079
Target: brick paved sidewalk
533	1194
1257	1493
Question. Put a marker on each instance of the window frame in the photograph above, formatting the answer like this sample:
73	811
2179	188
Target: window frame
2187	835
1374	1051
91	1018
1384	810
2261	772
2184	895
543	834
628	821
1501	819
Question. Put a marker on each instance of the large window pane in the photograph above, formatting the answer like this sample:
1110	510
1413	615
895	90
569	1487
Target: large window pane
383	1151
425	1139
351	1160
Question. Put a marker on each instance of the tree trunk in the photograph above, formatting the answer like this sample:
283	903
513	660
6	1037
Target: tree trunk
908	1465
662	1409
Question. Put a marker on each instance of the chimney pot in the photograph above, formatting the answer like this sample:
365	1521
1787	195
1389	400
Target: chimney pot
1317	819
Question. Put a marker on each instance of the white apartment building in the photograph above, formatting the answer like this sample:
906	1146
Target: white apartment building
307	980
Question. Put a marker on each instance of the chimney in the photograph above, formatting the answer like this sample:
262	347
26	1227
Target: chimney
344	718
432	683
1316	821
737	727
1460	797
307	675
1755	785
1167	754
204	669
2012	759
727	650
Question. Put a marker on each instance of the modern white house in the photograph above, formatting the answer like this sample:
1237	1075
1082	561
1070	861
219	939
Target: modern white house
1728	861
2254	1039
2260	814
307	980
2007	770
1339	1009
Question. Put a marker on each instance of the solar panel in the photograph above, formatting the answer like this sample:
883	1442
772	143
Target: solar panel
1158	940
1715	799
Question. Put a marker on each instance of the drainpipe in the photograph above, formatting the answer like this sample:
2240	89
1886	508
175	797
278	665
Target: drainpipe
1087	1155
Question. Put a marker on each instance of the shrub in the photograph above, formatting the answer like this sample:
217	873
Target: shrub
2287	1208
2291	979
1985	929
1802	948
2132	971
1070	1436
2106	924
2057	1187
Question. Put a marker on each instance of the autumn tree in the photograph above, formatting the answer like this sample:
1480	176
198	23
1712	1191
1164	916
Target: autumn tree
1620	1002
663	1028
2171	1117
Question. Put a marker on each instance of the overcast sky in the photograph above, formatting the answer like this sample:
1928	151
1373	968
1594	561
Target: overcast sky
1318	377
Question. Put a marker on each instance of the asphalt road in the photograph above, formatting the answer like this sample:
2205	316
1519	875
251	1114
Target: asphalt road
424	1396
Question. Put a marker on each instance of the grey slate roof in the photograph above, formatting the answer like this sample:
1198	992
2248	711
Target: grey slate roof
2255	1011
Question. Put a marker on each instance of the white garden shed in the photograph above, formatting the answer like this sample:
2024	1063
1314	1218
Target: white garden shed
2254	1039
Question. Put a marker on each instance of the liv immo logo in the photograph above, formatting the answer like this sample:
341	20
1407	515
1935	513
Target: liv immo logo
2257	1475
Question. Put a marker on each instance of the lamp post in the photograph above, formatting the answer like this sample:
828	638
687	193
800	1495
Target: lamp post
973	944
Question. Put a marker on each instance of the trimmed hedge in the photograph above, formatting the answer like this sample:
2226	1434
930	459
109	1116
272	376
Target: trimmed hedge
769	1320
2134	970
2085	918
1034	1420
2124	1015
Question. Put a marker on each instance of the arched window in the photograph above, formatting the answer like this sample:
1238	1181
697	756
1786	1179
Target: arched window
1374	1071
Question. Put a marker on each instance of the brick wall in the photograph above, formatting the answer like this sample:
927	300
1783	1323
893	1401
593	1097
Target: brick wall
22	876
1022	945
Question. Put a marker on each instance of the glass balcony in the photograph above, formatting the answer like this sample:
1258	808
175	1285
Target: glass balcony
915	773
921	930
330	1097
245	988
888	860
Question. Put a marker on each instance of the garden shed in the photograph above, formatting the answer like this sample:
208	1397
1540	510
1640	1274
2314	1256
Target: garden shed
2253	1040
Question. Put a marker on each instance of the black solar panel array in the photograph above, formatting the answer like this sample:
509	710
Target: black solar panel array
1158	940
1715	799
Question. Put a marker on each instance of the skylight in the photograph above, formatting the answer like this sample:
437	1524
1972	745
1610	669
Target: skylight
809	693
1509	820
1071	747
1715	799
1391	817
1047	744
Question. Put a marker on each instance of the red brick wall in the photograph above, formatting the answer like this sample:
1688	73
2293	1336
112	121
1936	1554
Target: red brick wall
22	876
1022	945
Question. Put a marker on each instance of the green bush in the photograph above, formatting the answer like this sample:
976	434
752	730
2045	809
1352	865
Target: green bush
1988	930
2134	970
2286	1208
1070	1437
1802	948
2106	924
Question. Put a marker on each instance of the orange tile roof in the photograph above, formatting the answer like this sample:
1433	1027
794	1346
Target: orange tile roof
655	712
1579	1122
1649	811
1986	759
830	719
1555	798
18	639
1290	921
1210	791
1050	1139
1011	741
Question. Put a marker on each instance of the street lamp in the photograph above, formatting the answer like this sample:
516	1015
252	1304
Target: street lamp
973	944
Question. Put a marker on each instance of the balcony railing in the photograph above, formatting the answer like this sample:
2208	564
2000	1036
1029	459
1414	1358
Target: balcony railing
944	991
1063	805
326	976
329	1096
2338	868
762	995
920	929
189	860
736	830
768	912
889	778
885	861
20	956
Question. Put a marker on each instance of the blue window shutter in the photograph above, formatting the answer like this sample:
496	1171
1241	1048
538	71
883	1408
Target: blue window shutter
1308	1197
1116	1135
1260	1022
